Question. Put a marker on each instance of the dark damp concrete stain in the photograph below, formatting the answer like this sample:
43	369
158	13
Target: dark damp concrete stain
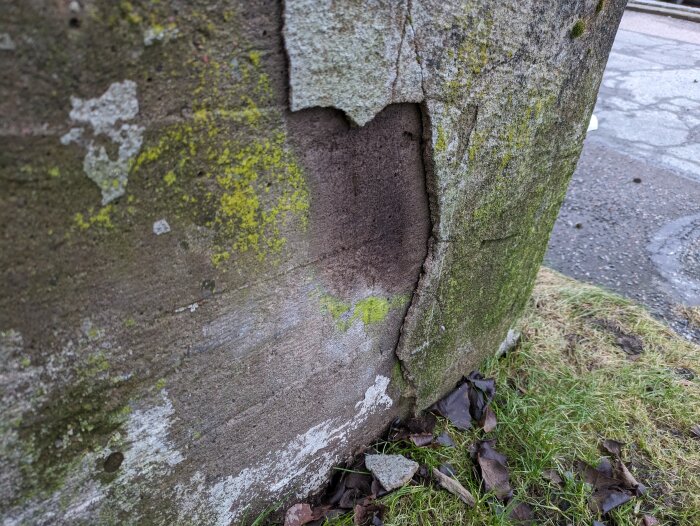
369	213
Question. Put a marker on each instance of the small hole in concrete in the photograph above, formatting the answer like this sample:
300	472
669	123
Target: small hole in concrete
74	22
113	461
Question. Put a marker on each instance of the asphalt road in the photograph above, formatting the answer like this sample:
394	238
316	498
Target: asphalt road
631	218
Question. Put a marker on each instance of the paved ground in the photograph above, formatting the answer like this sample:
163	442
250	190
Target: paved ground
631	219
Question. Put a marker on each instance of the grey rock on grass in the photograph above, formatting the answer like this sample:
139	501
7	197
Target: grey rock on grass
392	471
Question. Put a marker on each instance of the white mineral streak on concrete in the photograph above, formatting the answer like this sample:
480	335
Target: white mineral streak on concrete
106	115
151	451
303	459
372	48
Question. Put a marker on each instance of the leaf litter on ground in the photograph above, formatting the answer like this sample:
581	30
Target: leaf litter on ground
612	483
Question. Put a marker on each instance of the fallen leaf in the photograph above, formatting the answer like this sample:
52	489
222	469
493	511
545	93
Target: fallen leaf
628	478
350	498
488	422
630	343
453	486
612	485
521	514
298	515
447	469
481	392
494	469
612	447
455	407
423	425
422	439
445	440
553	476
695	430
369	514
604	500
648	520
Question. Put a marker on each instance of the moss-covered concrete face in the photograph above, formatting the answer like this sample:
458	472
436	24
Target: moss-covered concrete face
206	299
508	104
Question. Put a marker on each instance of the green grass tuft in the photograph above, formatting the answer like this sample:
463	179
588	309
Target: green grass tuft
559	394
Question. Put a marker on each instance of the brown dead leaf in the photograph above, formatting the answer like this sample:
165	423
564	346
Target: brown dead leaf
298	515
453	486
445	440
604	500
481	392
613	447
553	476
422	439
488	422
613	485
455	407
369	514
521	514
695	430
494	469
630	343
648	520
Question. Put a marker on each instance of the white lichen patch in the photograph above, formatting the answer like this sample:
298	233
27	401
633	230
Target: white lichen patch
161	227
307	459
107	116
158	33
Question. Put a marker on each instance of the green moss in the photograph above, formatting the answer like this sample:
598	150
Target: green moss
600	6
76	419
333	306
54	172
101	219
578	29
371	310
248	186
492	258
440	141
160	384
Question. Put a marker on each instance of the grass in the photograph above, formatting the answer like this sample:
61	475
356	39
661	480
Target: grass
559	394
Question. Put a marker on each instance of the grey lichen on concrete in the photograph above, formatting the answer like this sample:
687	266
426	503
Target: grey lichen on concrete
355	56
107	116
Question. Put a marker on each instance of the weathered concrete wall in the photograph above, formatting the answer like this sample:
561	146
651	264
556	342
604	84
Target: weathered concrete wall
214	287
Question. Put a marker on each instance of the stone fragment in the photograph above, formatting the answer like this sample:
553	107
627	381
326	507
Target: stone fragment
392	471
6	42
161	227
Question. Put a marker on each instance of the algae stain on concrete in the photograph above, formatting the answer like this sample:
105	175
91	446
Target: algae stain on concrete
370	310
107	117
